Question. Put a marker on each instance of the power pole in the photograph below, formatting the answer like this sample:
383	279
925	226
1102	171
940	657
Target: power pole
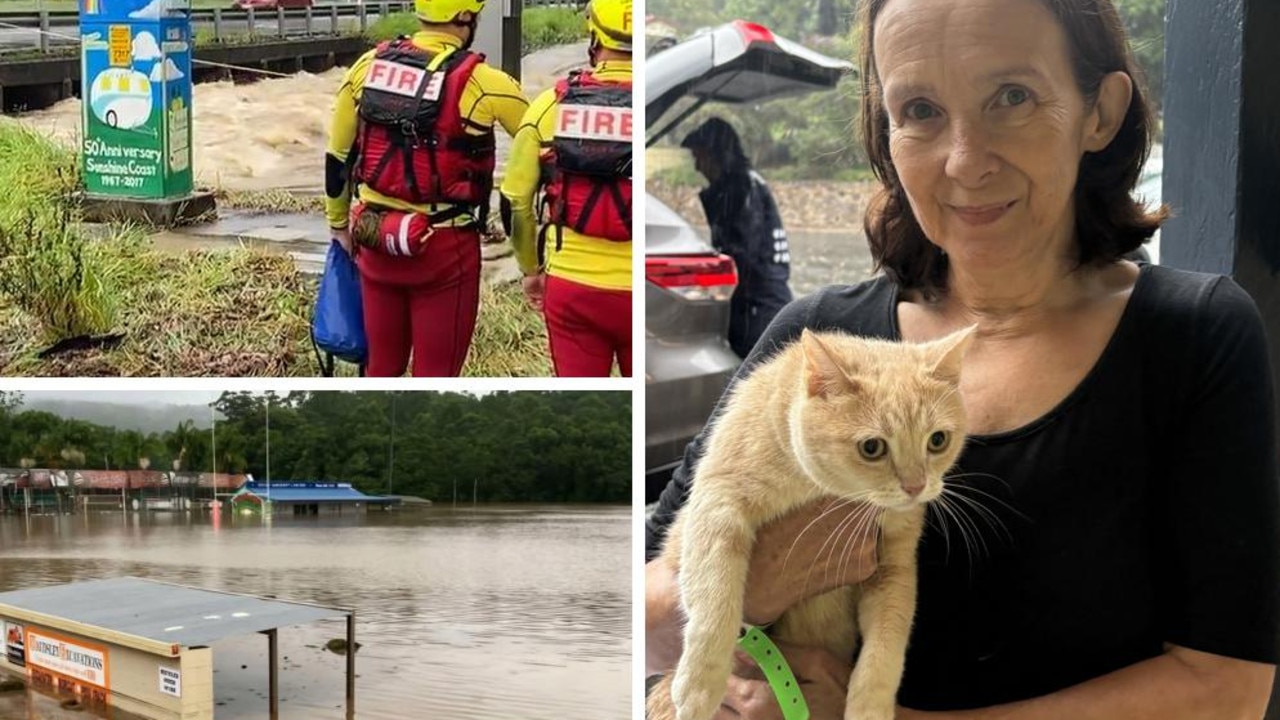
391	450
267	504
213	439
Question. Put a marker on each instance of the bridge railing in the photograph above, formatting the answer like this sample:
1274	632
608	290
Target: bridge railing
59	29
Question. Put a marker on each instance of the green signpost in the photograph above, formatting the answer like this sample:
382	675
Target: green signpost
136	87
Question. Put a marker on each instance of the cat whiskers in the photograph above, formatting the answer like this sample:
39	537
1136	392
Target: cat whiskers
984	493
842	503
963	524
966	512
961	474
856	521
865	525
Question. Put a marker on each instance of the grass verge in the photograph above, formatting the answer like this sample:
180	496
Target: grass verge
47	268
511	339
269	201
547	27
540	27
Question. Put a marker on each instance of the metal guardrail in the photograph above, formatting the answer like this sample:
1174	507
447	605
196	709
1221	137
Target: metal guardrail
59	27
53	26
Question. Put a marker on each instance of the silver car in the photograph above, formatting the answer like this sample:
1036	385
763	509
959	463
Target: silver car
688	360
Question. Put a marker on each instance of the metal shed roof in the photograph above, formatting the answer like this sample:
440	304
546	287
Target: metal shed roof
310	493
155	616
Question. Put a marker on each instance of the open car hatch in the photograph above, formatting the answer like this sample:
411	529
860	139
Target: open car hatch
738	62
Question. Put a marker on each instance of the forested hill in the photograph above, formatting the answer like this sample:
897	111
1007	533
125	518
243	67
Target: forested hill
519	446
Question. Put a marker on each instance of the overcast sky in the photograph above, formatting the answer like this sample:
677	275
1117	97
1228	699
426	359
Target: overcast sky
127	397
155	397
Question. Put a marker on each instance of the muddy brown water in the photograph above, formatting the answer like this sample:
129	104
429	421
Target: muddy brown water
272	134
490	613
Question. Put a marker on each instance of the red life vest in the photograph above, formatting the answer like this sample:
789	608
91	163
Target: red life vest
590	159
412	142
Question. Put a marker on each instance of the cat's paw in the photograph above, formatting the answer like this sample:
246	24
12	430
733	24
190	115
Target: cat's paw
864	710
694	699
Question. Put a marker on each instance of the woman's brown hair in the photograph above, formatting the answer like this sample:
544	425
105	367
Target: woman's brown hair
1109	223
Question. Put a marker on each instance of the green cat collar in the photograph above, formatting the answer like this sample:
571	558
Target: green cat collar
776	671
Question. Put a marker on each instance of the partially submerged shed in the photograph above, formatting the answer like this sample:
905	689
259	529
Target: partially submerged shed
142	645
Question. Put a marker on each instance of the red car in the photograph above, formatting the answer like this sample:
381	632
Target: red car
270	4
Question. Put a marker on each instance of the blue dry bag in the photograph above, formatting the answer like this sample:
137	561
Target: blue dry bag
337	327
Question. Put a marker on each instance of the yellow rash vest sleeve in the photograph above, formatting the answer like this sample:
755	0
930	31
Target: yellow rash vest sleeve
520	185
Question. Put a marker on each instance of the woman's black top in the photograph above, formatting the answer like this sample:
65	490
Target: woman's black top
1141	510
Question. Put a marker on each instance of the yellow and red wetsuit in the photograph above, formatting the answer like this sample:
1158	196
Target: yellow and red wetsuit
426	303
587	302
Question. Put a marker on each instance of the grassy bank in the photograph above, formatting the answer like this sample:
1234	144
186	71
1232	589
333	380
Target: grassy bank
222	313
540	27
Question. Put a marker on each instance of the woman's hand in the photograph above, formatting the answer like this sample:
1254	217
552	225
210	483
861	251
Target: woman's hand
823	678
818	547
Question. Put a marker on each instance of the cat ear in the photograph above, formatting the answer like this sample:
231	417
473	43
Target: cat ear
822	374
949	352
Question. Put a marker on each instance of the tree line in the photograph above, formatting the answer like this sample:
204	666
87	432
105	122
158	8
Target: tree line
514	446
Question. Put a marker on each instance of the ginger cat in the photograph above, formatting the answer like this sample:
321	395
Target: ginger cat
831	415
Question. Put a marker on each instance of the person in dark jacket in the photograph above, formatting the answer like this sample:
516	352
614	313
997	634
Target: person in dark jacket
746	226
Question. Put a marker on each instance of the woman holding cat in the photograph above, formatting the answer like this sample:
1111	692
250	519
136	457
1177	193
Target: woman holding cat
1121	431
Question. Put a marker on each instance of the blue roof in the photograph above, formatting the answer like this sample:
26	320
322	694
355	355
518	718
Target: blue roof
310	492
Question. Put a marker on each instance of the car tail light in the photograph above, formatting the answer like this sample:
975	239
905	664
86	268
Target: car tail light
693	277
752	32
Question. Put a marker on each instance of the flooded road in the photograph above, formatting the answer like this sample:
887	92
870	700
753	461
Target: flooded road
498	612
820	258
823	257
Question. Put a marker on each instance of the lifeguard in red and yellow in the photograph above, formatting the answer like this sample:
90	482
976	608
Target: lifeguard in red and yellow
575	143
413	136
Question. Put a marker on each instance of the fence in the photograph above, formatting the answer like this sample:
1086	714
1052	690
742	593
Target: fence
58	30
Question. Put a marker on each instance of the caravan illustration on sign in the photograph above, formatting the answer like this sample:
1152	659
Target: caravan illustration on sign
136	65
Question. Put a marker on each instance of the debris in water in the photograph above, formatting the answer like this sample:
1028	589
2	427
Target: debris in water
339	646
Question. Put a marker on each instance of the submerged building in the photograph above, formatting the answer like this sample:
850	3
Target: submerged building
39	490
306	498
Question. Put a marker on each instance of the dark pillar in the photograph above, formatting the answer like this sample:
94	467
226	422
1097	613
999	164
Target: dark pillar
1222	152
512	47
273	673
1222	145
351	663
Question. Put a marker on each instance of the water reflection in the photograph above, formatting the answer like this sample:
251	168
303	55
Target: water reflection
476	613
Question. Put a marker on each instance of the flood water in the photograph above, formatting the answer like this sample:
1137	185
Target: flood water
496	612
272	134
820	258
